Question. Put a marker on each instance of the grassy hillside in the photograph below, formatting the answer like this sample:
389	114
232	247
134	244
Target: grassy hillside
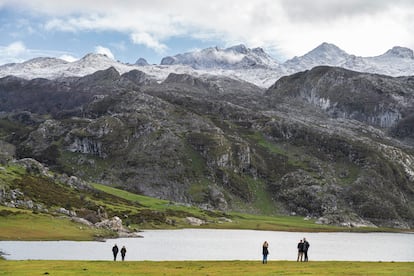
233	220
17	224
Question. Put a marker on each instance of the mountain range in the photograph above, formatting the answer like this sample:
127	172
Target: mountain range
237	62
202	128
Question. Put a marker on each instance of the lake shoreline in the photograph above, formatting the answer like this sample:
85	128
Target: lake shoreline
213	244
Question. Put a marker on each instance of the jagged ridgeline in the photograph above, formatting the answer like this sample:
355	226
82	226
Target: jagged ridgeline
328	143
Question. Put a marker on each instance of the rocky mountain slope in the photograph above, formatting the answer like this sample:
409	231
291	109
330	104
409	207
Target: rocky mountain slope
326	143
376	100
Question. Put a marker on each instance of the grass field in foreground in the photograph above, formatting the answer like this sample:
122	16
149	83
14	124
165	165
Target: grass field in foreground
221	268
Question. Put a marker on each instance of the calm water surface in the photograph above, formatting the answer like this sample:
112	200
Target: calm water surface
209	244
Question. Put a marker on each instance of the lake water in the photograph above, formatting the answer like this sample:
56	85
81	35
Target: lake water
209	244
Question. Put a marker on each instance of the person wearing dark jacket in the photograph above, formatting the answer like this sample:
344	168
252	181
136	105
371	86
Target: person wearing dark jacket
115	251
123	252
300	251
265	252
306	246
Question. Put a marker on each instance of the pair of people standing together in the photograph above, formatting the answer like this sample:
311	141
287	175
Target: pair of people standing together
303	247
115	252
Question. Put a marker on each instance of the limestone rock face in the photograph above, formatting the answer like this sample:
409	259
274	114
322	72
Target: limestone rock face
32	165
114	224
194	221
7	151
376	100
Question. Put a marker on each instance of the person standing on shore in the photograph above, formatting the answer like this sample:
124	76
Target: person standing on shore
306	246
123	252
265	252
115	251
300	251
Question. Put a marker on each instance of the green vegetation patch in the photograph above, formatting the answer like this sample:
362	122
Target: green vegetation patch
24	225
6	127
261	141
221	268
154	204
199	191
89	165
10	173
47	192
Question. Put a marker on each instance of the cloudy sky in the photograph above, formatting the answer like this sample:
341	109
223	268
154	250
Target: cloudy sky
128	29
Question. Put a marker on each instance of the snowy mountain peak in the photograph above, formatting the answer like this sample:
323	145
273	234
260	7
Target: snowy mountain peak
325	54
327	51
93	62
45	61
241	49
40	65
235	57
325	46
400	52
259	51
93	57
141	62
42	62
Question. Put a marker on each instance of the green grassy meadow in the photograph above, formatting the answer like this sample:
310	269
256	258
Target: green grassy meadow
221	268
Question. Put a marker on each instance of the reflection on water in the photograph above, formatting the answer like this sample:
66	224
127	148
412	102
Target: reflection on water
209	244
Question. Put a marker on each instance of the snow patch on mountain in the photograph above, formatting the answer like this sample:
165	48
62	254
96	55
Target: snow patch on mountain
399	52
39	67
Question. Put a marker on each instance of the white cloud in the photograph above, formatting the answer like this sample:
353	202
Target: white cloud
12	53
68	58
104	51
229	57
149	41
285	27
17	52
15	49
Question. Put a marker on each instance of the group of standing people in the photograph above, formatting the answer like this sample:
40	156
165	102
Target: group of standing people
303	247
115	251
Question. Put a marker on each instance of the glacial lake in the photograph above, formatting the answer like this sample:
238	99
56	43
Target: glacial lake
212	244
